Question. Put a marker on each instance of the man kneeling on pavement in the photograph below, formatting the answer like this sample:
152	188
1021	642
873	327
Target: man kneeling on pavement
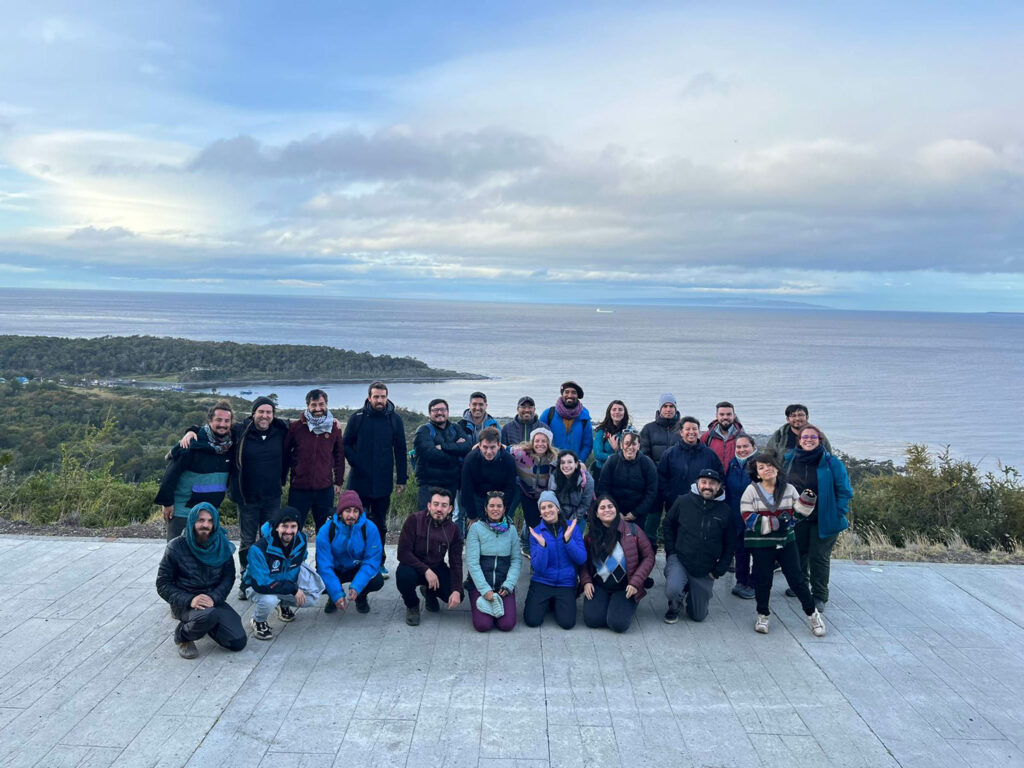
349	549
195	576
271	577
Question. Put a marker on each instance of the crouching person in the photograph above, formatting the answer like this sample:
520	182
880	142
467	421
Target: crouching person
429	537
271	577
348	549
195	576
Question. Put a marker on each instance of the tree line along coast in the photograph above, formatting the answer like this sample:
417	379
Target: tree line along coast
92	456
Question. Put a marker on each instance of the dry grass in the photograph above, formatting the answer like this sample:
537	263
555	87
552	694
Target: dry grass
872	544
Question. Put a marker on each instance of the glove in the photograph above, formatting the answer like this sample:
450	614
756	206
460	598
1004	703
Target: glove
785	520
806	503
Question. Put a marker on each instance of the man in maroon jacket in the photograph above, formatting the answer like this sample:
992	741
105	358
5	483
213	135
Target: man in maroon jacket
427	537
315	455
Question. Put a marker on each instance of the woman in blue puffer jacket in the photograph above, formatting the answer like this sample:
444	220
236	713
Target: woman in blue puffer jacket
556	552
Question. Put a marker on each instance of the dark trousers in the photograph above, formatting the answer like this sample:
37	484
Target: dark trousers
788	559
320	501
220	622
608	608
374	584
408	578
423	495
175	526
251	518
531	518
541	598
652	525
377	510
815	557
744	575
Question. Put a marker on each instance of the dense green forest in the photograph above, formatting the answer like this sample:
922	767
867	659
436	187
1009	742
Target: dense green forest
152	358
94	456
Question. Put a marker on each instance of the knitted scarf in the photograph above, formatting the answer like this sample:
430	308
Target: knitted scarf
319	425
568	413
218	550
499	527
219	444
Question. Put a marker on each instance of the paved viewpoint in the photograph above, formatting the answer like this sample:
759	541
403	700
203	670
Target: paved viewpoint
922	666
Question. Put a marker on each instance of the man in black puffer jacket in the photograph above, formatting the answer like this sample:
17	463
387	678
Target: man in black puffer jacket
440	447
700	538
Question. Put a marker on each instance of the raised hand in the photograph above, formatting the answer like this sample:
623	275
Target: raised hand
537	537
569	529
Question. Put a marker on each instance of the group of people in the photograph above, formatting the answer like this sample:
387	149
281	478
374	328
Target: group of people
597	502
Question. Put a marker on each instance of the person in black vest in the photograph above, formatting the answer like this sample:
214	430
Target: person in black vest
375	448
440	446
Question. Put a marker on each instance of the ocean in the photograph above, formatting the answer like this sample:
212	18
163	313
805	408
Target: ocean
874	381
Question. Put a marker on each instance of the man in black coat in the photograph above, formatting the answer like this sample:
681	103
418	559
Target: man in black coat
195	577
440	447
700	538
375	447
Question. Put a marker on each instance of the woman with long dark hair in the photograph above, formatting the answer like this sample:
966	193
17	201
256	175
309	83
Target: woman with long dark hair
493	559
619	560
767	507
811	468
574	488
608	433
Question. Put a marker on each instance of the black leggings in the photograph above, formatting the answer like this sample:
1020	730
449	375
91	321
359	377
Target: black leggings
542	597
764	567
609	608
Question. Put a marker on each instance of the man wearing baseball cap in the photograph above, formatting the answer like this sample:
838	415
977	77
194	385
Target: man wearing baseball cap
518	430
700	538
569	422
271	578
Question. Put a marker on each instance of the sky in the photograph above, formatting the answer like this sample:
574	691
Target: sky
855	156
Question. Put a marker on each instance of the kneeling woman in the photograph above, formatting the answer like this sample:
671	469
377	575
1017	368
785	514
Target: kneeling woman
619	560
767	508
493	558
557	552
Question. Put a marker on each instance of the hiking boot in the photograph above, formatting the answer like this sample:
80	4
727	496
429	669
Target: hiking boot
362	605
671	615
385	573
430	601
817	624
330	607
761	625
188	650
260	629
285	613
742	590
412	616
242	595
790	592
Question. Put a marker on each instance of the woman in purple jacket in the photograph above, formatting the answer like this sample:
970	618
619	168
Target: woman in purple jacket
557	552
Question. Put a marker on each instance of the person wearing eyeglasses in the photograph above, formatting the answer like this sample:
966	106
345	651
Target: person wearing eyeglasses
812	469
439	446
493	559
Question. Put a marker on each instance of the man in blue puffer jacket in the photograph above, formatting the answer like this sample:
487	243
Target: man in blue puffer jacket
569	422
271	576
349	549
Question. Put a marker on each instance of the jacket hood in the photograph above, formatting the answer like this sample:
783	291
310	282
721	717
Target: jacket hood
719	497
661	421
714	423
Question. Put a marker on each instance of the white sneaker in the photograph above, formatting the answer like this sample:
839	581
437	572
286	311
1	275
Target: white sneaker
817	624
761	625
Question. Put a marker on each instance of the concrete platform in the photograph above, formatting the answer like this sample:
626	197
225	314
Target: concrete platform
922	666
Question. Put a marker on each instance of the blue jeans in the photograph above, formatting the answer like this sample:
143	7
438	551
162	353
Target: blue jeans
262	604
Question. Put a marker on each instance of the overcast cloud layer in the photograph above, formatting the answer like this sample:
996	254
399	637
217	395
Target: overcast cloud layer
873	160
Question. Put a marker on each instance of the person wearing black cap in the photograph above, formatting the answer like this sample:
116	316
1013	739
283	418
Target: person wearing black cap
518	430
570	423
255	485
700	538
272	576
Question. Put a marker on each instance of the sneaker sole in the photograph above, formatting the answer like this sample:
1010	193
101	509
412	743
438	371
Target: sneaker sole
672	620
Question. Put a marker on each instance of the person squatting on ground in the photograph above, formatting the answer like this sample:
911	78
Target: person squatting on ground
768	507
195	577
493	559
198	473
315	453
736	481
271	579
430	557
348	549
822	481
700	537
557	552
619	560
374	442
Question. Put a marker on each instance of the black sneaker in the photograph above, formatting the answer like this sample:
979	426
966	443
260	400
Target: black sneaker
241	593
330	607
362	605
671	615
790	592
412	616
430	601
260	630
285	613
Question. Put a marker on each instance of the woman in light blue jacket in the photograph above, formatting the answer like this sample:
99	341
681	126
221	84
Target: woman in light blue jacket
494	559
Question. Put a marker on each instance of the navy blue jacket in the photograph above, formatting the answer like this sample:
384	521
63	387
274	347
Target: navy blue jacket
374	447
441	467
480	476
736	482
680	466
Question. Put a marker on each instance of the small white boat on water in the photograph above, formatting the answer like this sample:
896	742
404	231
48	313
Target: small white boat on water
605	311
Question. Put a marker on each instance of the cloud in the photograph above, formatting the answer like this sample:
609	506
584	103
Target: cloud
293	283
93	235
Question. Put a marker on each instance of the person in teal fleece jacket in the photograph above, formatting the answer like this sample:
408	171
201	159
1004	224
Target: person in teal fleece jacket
493	559
348	548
